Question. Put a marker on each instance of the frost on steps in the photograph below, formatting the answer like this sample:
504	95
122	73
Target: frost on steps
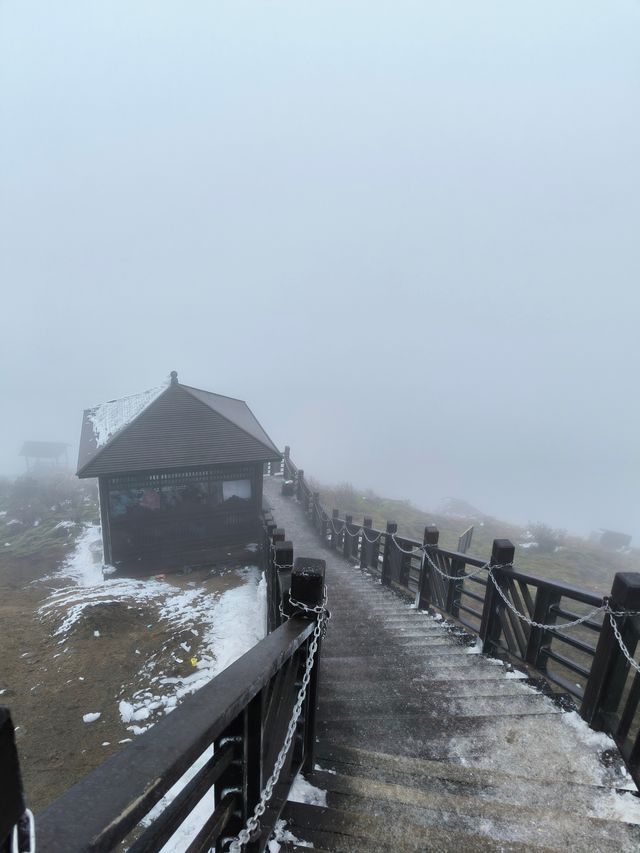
427	745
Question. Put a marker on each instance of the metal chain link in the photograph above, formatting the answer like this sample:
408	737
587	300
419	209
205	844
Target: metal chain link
278	565
618	635
253	823
485	568
360	530
555	626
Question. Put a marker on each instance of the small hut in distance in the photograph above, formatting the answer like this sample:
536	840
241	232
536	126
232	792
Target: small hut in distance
45	456
180	475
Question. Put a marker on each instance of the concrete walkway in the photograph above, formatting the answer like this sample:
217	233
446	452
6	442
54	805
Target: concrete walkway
426	746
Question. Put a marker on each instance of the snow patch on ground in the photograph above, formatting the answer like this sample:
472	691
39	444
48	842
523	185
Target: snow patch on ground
591	738
91	718
282	835
476	648
515	673
224	627
304	792
618	806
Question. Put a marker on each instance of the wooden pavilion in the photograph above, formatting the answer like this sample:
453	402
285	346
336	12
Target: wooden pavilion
180	474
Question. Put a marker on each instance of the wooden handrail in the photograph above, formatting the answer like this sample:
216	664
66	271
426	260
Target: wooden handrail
101	809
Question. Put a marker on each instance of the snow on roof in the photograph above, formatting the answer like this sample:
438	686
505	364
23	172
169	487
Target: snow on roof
109	418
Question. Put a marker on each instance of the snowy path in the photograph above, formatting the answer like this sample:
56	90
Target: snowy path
427	745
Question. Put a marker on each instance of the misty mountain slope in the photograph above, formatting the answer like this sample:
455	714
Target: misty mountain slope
423	744
576	561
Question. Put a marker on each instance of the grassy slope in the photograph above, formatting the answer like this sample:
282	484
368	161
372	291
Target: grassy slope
578	562
39	537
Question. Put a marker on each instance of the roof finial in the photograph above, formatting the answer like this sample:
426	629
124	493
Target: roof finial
174	377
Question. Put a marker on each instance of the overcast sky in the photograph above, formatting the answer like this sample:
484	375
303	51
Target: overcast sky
407	233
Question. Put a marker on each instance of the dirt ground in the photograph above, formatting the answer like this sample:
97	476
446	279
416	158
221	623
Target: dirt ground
49	685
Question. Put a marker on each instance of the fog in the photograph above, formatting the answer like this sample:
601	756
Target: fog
405	232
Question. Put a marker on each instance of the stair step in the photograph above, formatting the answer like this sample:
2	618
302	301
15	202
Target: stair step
420	772
401	805
382	705
445	665
348	686
352	832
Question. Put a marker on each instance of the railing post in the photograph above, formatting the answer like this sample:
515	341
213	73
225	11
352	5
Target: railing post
430	541
335	536
282	556
454	587
387	554
609	669
299	481
347	543
501	554
404	569
370	546
366	547
539	638
11	792
315	510
286	460
307	586
324	527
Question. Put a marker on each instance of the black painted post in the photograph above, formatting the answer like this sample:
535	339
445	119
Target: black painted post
335	536
347	544
366	546
501	554
392	527
430	540
278	535
235	776
540	639
253	749
286	461
307	586
324	527
299	482
315	509
454	587
283	561
271	577
283	555
11	792
609	668
404	571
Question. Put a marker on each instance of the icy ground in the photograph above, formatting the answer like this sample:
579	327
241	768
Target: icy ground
221	627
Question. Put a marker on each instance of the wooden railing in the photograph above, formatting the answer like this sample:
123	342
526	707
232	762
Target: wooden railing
585	659
220	744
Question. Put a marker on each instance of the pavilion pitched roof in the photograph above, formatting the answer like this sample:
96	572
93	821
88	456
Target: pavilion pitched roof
170	426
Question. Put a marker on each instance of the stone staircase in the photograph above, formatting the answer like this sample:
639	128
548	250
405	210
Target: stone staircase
424	744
